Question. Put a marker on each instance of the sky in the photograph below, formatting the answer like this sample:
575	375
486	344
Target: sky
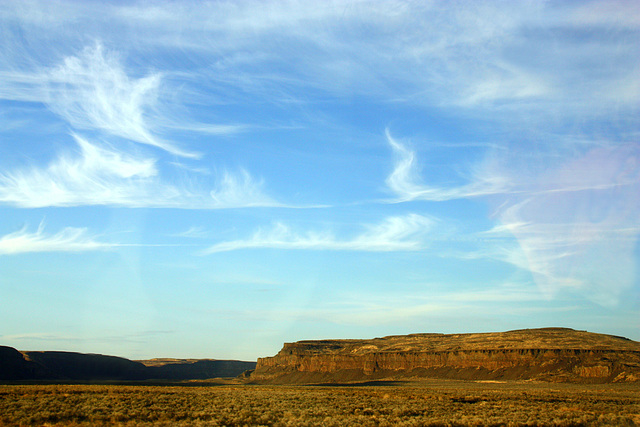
213	179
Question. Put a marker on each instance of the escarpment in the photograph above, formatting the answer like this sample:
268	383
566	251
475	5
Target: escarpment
549	354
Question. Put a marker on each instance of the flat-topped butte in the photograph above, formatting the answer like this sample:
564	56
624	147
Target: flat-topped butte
547	354
545	338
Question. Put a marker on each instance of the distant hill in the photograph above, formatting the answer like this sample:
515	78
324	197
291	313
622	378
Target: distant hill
15	366
191	369
80	366
69	366
548	354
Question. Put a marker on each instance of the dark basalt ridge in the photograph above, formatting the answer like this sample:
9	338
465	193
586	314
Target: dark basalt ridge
188	369
15	366
62	366
548	354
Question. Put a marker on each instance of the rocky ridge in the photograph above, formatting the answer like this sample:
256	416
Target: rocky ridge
548	354
62	366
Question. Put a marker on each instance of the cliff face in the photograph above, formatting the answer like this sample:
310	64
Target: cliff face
545	354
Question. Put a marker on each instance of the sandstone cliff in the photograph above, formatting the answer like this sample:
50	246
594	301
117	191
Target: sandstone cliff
550	354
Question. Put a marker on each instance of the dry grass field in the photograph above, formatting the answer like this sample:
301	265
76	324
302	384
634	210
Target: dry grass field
427	403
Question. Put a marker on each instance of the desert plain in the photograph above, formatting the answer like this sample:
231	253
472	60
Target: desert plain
386	403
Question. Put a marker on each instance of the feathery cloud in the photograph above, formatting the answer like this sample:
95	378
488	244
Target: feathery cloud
238	190
94	176
575	221
607	167
92	91
193	232
400	233
578	225
69	239
482	56
406	183
102	175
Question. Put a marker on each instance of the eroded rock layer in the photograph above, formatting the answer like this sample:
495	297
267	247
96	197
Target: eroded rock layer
550	354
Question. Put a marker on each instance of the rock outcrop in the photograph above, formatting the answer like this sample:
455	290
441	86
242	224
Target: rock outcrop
549	354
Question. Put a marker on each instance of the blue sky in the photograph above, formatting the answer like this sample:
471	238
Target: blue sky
212	179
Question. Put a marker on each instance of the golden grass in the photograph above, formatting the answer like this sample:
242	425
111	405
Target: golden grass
431	403
538	339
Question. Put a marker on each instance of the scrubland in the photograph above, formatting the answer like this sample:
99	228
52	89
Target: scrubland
428	403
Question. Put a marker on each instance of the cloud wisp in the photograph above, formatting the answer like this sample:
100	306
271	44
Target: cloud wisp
92	91
494	177
399	233
102	175
405	182
575	221
69	239
193	232
483	56
580	231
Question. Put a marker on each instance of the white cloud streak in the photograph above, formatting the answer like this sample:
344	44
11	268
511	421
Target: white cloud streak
69	239
494	177
193	233
239	190
102	175
406	183
482	56
551	64
401	233
576	221
92	91
578	226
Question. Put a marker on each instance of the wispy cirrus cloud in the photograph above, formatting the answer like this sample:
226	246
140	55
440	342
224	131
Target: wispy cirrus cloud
400	233
102	175
574	218
35	338
580	172
94	175
69	239
484	56
576	226
92	91
583	239
193	233
406	183
239	189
